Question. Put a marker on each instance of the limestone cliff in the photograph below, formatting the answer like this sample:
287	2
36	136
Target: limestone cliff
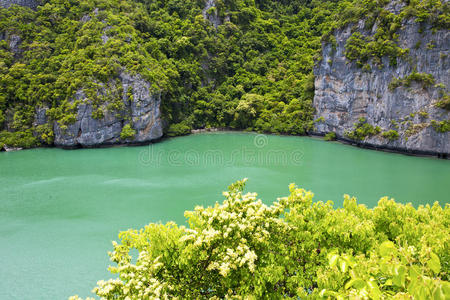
210	13
345	92
139	108
124	109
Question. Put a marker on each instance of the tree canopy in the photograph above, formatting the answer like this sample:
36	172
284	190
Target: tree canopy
253	71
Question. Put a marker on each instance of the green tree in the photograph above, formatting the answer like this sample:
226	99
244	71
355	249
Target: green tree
294	248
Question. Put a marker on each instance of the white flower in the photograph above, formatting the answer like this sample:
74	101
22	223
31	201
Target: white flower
224	269
187	237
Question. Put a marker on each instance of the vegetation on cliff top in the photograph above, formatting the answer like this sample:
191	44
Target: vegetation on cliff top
295	248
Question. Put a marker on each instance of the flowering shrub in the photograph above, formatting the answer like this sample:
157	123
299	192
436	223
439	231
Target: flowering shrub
294	248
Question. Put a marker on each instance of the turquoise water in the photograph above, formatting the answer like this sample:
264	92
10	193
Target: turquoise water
60	210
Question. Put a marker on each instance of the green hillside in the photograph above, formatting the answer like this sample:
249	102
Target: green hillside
253	71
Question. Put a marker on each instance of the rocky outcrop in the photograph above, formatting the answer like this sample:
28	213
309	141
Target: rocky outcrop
344	92
211	14
28	3
141	110
14	42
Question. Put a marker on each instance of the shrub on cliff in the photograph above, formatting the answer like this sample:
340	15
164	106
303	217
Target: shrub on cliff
295	248
441	126
127	132
362	129
391	135
330	136
424	79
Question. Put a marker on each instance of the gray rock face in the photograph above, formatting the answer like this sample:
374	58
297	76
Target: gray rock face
28	3
14	44
142	112
210	13
105	36
40	117
344	92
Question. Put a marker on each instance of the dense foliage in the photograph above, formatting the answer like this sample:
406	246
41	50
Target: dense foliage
254	71
62	50
378	38
295	248
250	68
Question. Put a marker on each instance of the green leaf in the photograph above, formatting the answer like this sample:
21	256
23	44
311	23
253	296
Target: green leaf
356	283
438	293
399	277
434	263
343	265
333	260
446	287
421	293
325	293
387	248
374	290
414	272
385	268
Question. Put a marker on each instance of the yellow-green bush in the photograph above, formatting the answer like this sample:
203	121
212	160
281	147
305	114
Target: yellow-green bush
294	248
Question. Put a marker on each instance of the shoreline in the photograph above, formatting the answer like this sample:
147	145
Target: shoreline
385	148
342	140
339	139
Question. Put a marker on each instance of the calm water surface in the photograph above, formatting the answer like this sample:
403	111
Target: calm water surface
60	210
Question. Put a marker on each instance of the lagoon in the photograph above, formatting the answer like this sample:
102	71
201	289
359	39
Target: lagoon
60	210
